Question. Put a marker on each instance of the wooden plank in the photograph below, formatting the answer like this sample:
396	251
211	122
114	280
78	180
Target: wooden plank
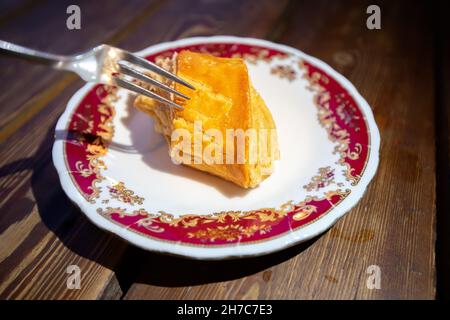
41	231
52	36
11	9
393	225
181	19
442	70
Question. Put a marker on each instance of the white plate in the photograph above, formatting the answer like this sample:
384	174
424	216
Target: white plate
329	153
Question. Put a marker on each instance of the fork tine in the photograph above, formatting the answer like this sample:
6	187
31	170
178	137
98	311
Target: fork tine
123	68
135	88
155	68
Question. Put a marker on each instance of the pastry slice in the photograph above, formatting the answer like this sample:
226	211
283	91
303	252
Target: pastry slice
225	128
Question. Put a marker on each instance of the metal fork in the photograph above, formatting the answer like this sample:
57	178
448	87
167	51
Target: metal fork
107	65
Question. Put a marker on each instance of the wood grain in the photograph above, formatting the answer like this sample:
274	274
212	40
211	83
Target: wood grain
41	230
111	26
393	226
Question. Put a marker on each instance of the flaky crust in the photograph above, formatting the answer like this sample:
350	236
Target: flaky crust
224	99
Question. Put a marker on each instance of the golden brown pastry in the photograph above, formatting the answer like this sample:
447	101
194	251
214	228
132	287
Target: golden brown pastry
223	108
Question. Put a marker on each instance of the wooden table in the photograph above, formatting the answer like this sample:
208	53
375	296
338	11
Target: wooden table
400	70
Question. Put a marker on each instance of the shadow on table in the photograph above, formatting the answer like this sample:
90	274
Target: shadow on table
130	264
171	271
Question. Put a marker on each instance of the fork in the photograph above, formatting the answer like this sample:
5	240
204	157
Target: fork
107	65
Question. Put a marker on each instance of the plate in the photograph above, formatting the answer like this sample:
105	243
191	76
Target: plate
116	168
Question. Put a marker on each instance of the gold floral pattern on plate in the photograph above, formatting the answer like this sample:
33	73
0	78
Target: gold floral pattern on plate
119	192
284	72
327	119
324	178
229	232
96	143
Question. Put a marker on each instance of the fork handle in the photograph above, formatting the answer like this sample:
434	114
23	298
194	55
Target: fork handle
49	59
